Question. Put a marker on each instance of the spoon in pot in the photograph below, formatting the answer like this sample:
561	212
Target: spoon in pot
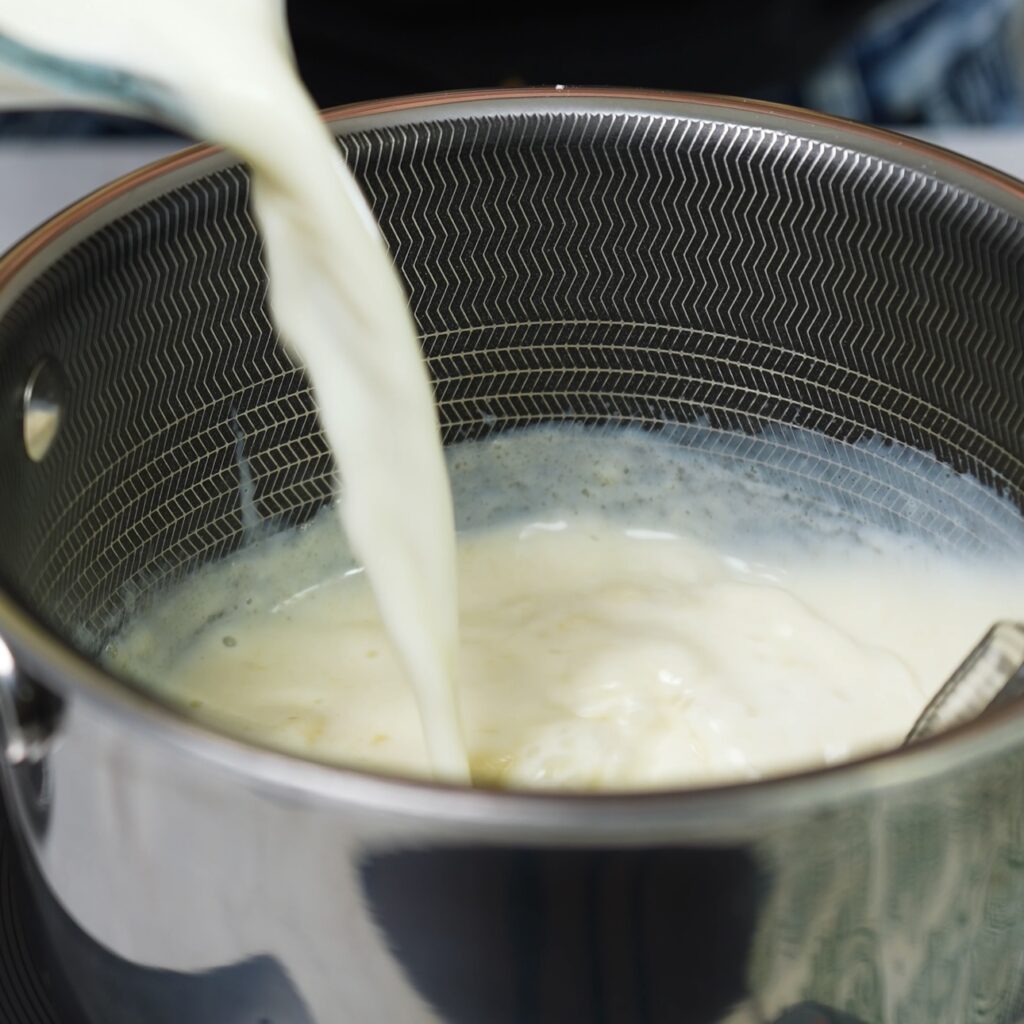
989	677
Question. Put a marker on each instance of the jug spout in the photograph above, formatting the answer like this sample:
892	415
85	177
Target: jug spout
31	78
20	92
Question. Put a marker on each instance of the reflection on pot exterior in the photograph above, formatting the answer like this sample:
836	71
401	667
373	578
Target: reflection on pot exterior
907	905
896	909
520	934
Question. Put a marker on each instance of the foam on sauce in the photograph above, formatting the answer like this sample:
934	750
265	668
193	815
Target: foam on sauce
635	614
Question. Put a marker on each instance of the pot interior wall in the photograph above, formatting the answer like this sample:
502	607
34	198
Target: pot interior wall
619	267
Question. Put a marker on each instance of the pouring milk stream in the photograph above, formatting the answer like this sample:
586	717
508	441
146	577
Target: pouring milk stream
227	69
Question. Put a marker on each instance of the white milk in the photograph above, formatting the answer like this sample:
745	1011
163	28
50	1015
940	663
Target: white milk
334	295
634	615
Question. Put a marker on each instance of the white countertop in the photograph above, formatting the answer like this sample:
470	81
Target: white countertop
39	178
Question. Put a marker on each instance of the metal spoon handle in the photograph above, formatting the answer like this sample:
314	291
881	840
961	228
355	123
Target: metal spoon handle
991	675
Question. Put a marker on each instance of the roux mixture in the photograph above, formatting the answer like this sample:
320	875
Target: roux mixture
633	615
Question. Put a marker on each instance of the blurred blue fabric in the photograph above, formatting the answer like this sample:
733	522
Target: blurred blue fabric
927	62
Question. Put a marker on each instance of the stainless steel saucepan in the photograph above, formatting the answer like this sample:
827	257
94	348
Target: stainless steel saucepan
586	255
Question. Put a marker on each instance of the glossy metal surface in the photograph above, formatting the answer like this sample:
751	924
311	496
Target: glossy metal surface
991	676
590	255
41	410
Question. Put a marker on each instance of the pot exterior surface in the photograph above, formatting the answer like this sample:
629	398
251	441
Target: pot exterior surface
653	261
170	891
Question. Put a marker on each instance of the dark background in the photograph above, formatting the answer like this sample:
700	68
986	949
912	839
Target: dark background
762	47
891	62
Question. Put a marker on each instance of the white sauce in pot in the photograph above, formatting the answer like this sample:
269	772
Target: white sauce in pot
634	615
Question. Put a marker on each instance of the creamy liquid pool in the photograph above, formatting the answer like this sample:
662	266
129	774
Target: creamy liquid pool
334	293
633	615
